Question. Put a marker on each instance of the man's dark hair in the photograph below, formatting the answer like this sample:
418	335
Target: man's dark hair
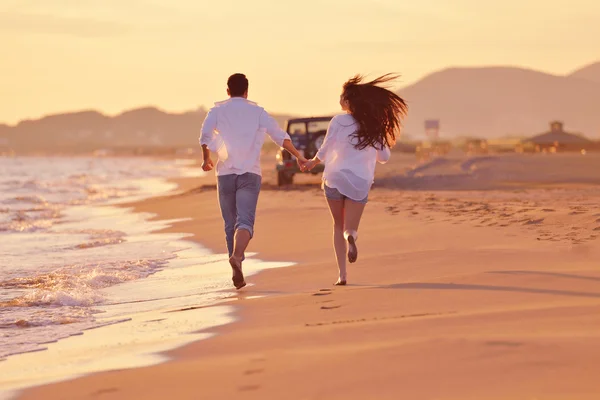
237	85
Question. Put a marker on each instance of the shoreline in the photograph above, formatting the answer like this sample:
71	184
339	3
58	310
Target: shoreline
219	308
435	296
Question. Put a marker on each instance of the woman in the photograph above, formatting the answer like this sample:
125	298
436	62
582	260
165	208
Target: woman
354	143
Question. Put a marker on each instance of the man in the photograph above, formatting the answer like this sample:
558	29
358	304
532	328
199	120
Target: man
235	129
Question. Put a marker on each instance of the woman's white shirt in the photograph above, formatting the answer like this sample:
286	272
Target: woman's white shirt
349	170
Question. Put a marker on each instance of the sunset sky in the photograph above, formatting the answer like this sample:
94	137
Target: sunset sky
113	55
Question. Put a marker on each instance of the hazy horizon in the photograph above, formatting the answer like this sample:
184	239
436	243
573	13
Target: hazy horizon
116	56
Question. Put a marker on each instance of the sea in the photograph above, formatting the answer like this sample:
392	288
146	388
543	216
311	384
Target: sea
88	285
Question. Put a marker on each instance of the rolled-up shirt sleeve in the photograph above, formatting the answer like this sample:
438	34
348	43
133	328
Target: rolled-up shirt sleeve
209	125
328	142
383	155
270	125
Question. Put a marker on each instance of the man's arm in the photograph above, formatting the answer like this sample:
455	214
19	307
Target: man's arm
280	137
207	163
206	137
289	146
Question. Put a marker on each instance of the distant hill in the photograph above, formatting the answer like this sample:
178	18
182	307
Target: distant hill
89	130
591	73
4	132
493	102
487	102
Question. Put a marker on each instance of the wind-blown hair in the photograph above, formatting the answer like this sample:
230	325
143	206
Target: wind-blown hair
377	110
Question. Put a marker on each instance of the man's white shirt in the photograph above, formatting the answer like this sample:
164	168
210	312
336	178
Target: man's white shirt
235	129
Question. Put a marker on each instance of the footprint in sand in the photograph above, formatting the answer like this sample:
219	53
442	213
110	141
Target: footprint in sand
104	391
254	371
322	294
597	229
247	388
392	210
523	210
502	343
329	307
533	221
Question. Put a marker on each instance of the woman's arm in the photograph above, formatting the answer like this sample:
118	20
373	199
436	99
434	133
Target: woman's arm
383	155
310	164
328	142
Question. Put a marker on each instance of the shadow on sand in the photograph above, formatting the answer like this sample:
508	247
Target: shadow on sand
513	289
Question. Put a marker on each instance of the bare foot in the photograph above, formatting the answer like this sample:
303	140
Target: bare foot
340	282
352	250
238	276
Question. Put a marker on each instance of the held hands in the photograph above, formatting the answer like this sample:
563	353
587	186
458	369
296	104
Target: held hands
301	162
310	164
207	165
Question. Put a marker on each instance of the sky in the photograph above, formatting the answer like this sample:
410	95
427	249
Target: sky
115	55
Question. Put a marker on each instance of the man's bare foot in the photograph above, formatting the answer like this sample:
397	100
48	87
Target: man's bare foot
238	276
352	249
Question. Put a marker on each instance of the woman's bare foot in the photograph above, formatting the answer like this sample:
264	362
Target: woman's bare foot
238	276
352	249
340	282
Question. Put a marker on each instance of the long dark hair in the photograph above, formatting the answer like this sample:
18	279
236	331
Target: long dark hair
377	110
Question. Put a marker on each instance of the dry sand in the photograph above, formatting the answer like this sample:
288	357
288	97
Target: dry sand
477	279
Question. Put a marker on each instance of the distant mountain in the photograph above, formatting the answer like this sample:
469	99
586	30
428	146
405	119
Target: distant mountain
485	102
4	132
591	73
88	130
499	101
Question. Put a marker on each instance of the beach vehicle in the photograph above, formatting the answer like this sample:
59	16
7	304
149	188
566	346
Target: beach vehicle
307	135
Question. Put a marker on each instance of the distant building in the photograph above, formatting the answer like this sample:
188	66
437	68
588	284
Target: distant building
557	139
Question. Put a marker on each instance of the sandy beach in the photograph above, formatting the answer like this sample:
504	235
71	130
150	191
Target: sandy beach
477	278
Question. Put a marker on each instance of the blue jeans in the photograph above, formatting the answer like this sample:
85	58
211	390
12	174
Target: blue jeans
238	197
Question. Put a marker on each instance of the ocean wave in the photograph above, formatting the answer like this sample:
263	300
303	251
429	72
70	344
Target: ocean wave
66	315
32	199
26	226
30	220
41	299
77	285
99	237
64	300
